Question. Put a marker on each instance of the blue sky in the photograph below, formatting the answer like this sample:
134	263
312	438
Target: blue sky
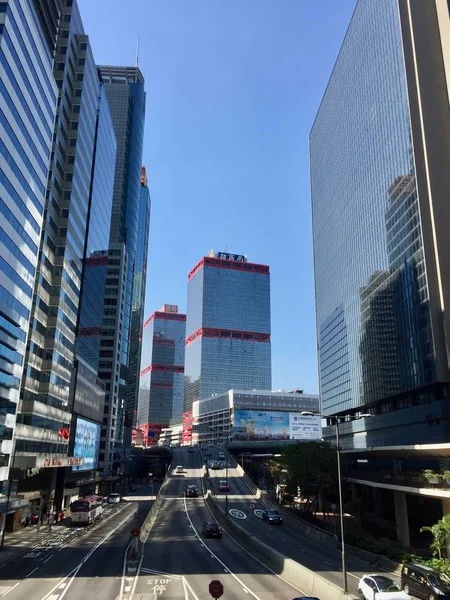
232	90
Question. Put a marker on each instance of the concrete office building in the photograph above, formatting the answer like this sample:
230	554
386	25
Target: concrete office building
161	390
252	418
137	309
124	87
379	184
28	95
227	327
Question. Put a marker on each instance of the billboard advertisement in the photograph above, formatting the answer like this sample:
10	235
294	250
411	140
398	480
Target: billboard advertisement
260	425
87	443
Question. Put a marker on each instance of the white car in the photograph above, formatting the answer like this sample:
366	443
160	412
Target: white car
114	498
179	469
380	587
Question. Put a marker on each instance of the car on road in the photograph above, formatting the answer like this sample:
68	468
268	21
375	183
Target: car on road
191	491
114	498
424	582
224	486
179	469
212	530
272	516
380	587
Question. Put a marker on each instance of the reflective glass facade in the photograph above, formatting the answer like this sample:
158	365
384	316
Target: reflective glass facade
27	111
45	391
377	324
227	328
99	221
137	312
161	390
124	87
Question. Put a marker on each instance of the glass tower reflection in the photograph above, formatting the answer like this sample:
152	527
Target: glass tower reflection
372	296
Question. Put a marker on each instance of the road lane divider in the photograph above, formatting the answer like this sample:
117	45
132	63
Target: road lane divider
218	559
68	579
286	568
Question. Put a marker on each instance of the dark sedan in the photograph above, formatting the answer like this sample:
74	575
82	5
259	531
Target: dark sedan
212	530
272	516
191	491
224	486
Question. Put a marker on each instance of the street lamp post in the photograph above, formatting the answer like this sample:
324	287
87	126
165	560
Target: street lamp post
341	508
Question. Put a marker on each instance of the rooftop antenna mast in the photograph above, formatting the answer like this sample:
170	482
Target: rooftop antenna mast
137	52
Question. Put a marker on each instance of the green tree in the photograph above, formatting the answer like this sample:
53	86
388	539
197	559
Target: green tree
441	535
312	467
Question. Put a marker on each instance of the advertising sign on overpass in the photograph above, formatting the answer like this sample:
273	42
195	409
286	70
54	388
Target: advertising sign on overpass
259	425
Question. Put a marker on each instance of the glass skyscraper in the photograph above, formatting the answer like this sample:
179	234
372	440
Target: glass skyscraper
28	96
97	240
227	327
45	394
162	369
137	308
124	87
87	392
381	214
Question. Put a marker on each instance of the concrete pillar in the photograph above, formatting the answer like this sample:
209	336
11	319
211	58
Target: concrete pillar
401	518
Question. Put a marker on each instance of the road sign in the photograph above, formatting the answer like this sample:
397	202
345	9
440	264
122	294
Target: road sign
135	531
216	589
252	507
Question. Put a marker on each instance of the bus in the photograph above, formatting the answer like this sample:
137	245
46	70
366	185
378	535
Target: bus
85	511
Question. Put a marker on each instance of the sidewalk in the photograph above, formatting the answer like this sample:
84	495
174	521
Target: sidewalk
24	539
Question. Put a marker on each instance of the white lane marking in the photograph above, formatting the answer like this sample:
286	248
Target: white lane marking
74	572
47	559
92	550
257	560
258	512
237	514
328	563
185	590
31	572
153	572
10	589
127	588
351	575
62	586
136	578
190	589
70	582
218	559
122	579
246	591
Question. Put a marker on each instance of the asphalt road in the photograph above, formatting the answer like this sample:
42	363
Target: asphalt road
79	562
285	539
179	563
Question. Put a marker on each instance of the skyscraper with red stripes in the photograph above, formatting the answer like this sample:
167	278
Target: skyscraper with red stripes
227	327
162	369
